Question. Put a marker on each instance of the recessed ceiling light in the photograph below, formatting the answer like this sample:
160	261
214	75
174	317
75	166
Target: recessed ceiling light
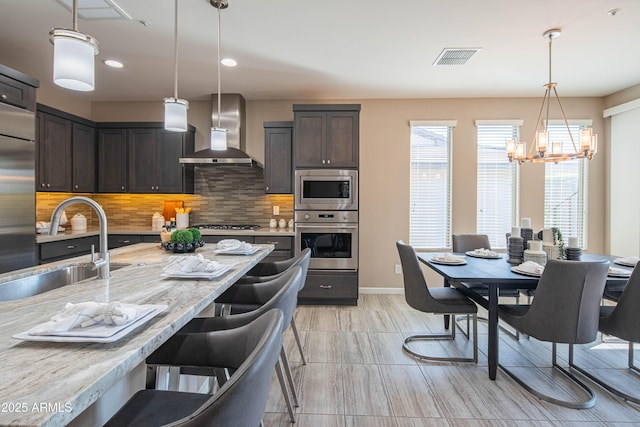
113	63
229	62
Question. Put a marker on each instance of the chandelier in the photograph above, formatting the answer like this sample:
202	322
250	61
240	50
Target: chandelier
546	151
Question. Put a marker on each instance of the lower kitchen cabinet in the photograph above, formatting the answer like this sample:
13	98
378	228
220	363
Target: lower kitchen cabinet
283	249
330	287
63	249
216	239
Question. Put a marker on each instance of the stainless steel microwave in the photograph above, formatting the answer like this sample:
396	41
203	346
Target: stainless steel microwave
326	189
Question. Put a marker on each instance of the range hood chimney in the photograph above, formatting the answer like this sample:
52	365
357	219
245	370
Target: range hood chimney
232	118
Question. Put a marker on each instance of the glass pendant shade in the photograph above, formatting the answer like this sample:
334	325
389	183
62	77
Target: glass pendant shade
73	59
218	139
175	114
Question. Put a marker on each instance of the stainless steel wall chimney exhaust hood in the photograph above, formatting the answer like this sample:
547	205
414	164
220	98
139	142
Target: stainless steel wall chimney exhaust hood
232	118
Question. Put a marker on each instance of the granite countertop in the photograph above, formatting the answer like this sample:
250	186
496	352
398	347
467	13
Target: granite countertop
74	375
94	231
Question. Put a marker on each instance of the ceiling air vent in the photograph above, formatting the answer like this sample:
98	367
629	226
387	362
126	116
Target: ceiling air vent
92	10
453	56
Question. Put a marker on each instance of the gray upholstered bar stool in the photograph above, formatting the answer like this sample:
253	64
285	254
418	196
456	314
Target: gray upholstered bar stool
281	293
252	350
235	300
565	310
622	321
440	300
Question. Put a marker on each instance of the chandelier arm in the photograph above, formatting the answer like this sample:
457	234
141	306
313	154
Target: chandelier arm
219	84
545	99
566	122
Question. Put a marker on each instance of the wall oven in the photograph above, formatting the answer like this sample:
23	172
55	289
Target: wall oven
326	189
332	237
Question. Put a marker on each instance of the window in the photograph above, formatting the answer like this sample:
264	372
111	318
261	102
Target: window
565	188
497	180
430	215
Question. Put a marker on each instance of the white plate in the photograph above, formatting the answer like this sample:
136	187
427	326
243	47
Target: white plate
250	251
210	275
477	255
621	261
515	269
444	262
97	333
618	272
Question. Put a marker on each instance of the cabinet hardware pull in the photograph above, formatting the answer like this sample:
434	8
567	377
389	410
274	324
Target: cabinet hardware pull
329	161
323	162
272	243
75	186
71	247
4	96
325	286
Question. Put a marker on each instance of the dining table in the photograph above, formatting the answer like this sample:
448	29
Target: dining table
496	273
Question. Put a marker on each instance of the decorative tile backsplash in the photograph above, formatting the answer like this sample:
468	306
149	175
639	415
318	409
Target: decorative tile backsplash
224	194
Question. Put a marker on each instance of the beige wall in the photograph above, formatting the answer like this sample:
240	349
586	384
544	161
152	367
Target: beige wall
384	163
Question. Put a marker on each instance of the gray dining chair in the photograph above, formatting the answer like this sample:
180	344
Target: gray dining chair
621	321
565	310
281	293
251	350
442	300
469	242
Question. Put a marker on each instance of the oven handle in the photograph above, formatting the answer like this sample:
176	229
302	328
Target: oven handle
325	226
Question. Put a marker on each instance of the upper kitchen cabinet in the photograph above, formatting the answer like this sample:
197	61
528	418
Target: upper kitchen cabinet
326	135
83	151
17	89
278	171
54	153
144	159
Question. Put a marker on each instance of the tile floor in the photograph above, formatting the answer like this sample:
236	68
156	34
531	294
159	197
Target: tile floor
357	375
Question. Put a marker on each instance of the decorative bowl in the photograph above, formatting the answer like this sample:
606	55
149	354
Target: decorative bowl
182	248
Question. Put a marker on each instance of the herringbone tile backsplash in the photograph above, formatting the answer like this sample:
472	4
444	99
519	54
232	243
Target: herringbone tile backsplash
224	194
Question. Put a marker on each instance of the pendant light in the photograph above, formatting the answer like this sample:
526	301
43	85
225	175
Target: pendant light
73	56
175	109
546	151
218	134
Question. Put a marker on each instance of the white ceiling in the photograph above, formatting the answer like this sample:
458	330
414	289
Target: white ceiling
342	49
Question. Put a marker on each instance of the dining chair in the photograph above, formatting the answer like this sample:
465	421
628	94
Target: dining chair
251	349
565	310
442	300
469	242
281	292
621	321
235	300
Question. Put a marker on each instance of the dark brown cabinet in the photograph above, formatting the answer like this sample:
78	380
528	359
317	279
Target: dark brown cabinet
153	161
63	249
278	168
54	153
283	247
330	287
83	150
112	161
17	89
326	136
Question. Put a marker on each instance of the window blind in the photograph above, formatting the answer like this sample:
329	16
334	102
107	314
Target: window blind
565	189
430	195
497	183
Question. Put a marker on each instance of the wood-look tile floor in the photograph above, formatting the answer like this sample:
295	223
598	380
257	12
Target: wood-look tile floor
358	375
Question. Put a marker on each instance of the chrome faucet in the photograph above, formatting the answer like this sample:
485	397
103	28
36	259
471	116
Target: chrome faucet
102	262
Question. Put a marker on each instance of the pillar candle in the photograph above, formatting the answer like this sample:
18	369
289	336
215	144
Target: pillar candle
525	222
573	242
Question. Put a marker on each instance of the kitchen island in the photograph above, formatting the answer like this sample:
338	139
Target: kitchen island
62	383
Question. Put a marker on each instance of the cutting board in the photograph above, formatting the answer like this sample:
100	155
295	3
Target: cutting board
169	208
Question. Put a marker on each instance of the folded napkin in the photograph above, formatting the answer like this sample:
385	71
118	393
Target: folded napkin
531	267
628	260
485	252
191	264
233	245
449	258
86	314
619	271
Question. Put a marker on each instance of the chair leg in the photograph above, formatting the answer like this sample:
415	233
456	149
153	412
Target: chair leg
285	392
294	328
584	404
450	336
601	383
287	371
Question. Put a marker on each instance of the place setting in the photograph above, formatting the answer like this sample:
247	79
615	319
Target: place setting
618	272
195	267
235	247
528	268
484	253
448	259
629	261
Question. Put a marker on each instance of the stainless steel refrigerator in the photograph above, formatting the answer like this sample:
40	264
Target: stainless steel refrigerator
17	188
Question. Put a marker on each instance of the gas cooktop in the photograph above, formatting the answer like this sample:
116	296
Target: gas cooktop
227	226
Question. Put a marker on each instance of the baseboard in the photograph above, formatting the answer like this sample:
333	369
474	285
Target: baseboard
395	291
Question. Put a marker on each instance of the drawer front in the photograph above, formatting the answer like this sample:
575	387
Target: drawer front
151	239
278	256
119	240
282	242
330	286
216	239
68	248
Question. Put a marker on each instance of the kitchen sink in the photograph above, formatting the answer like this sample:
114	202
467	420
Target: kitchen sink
49	280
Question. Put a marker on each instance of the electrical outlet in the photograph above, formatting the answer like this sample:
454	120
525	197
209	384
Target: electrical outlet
398	269
276	210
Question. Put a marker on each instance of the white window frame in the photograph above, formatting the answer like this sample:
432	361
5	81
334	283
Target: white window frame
497	238
582	192
438	234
